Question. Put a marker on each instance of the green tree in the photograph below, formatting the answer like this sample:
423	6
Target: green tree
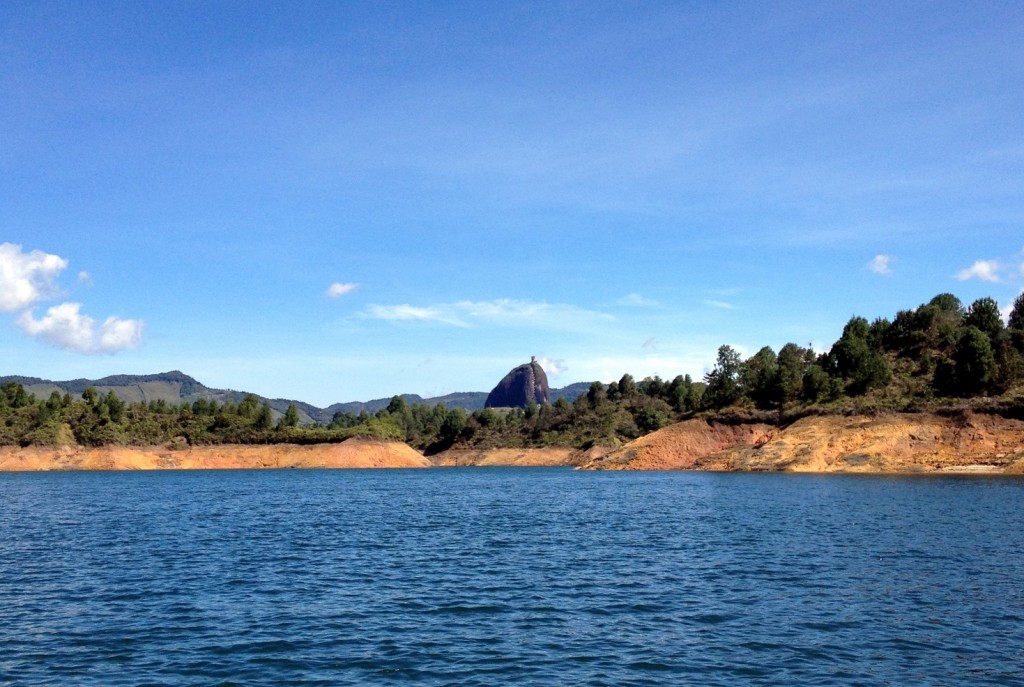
877	333
291	417
694	395
486	417
13	395
760	378
51	433
265	417
984	314
853	359
651	419
596	394
792	362
974	362
653	387
90	396
947	303
934	326
249	406
679	393
723	382
613	391
817	385
1016	320
115	407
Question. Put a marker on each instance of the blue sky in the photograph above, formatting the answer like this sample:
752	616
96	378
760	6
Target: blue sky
612	187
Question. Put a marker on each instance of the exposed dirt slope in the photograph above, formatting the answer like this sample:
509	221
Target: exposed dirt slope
350	454
681	446
521	457
888	443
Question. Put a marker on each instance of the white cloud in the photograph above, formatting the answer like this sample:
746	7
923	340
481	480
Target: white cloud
85	278
26	278
552	367
500	312
66	327
411	312
340	289
651	344
985	270
635	299
880	264
720	304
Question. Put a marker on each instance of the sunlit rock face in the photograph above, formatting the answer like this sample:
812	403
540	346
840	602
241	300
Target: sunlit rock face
522	386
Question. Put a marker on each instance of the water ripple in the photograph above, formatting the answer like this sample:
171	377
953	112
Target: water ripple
508	576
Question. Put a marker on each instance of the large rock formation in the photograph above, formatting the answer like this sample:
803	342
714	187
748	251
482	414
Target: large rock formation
522	386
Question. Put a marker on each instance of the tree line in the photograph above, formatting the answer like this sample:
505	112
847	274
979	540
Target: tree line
937	354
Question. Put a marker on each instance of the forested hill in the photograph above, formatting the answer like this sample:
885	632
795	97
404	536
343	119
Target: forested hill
175	388
940	356
468	400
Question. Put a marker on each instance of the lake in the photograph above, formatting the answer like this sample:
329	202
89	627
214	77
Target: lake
525	576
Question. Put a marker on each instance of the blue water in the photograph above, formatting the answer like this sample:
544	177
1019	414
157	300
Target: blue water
479	576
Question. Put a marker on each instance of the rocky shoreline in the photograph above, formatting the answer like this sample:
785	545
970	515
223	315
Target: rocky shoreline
354	453
887	443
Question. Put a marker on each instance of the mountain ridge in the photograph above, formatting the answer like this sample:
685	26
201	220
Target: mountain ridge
176	387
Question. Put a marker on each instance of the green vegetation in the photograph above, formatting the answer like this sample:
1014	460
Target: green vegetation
937	356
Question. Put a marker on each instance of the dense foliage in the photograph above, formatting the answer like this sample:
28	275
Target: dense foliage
937	354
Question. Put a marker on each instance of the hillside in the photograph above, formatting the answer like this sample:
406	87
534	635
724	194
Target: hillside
887	443
940	357
171	387
176	387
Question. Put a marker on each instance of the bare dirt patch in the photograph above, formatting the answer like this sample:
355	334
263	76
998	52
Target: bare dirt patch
354	453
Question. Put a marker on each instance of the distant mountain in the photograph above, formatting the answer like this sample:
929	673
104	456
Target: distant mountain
172	387
467	400
176	387
571	392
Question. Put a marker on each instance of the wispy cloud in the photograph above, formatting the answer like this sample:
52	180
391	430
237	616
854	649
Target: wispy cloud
64	326
722	305
27	278
985	270
880	264
406	313
503	312
638	301
651	344
338	289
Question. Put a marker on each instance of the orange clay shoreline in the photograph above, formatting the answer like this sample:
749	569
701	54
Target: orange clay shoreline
893	443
